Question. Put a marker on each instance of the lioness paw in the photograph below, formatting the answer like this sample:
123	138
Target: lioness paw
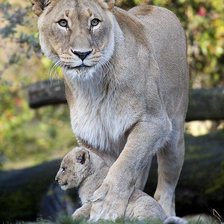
82	213
108	204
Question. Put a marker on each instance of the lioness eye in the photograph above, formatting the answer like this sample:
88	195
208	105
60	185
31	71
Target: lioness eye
63	23
95	22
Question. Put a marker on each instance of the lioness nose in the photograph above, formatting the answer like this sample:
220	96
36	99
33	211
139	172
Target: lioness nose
82	55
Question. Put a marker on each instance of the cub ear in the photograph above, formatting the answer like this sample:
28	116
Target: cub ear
39	5
82	156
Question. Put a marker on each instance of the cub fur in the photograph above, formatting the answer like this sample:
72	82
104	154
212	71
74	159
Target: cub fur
126	81
85	170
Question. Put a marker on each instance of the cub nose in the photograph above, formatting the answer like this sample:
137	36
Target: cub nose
81	55
56	179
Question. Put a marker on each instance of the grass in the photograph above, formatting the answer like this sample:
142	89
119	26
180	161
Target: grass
68	220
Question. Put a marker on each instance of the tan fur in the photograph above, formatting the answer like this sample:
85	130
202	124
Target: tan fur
131	102
141	206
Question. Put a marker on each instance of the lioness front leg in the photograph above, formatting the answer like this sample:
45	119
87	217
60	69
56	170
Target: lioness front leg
146	137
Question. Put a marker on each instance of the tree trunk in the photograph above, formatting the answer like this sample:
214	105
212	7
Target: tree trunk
200	189
204	104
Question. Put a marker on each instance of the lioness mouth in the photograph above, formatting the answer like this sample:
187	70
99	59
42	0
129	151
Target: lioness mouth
76	67
83	66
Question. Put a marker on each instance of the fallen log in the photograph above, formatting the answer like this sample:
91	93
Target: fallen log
21	191
204	104
48	92
200	189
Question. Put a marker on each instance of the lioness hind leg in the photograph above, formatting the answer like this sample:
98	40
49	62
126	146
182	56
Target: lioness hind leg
170	162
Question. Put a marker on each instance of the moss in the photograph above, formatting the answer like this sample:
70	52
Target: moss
217	186
18	200
21	203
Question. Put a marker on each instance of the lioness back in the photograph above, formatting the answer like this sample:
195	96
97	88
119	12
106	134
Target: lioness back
167	42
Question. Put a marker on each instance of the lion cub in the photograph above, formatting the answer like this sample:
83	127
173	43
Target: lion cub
84	169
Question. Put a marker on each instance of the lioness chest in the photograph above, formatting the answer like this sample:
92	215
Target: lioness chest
102	122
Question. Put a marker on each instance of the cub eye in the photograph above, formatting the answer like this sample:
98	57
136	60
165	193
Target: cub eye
95	22
63	169
63	23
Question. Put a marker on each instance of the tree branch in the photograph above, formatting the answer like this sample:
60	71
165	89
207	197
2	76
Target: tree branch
204	104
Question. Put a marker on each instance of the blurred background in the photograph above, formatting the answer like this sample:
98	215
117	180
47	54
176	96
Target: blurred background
30	139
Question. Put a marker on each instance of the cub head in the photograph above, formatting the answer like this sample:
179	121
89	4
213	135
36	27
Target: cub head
76	34
74	168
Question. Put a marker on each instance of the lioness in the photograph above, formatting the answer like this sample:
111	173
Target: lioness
85	170
126	78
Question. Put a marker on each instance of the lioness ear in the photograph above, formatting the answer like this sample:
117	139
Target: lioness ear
39	5
82	156
109	4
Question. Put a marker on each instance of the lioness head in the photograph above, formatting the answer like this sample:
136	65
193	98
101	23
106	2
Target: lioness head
74	168
76	34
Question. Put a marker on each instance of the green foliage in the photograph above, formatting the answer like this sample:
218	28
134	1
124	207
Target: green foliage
10	123
25	133
15	17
